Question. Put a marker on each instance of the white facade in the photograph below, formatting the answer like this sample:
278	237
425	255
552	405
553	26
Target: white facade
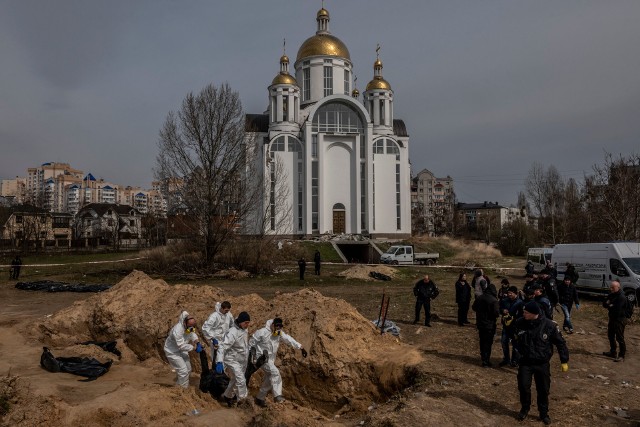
332	163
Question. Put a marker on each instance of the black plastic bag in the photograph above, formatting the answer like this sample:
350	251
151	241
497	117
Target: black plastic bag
210	381
252	366
379	276
82	366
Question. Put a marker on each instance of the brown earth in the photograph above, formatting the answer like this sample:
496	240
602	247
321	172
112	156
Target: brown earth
344	372
353	376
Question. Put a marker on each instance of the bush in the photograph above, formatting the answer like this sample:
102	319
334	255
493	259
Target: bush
180	257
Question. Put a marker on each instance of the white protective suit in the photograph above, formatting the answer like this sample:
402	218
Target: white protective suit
233	351
177	348
263	339
217	326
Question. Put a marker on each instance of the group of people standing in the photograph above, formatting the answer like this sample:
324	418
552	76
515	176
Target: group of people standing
231	348
528	330
302	264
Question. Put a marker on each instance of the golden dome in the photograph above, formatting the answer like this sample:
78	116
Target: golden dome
323	45
323	12
355	93
284	58
378	83
284	79
378	63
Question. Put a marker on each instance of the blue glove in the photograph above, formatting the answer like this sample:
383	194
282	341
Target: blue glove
198	348
577	306
219	368
215	341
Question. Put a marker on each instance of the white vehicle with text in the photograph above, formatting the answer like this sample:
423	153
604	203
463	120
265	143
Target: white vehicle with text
539	256
405	254
597	264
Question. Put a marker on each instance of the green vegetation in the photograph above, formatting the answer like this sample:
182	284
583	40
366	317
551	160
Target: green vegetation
327	252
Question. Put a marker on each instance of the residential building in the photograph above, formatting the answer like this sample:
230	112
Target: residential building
46	185
27	225
108	224
433	200
13	190
487	216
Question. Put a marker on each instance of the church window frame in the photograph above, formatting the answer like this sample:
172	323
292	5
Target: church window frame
328	79
306	83
337	117
347	81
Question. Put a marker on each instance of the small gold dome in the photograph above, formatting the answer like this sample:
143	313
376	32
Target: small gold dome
284	79
378	63
323	45
378	83
323	12
284	58
355	93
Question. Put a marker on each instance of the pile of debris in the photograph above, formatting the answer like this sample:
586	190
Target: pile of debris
363	272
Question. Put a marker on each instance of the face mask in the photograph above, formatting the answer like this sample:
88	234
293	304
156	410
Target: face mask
276	333
190	329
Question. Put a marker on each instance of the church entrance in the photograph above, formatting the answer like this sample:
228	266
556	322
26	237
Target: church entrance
338	218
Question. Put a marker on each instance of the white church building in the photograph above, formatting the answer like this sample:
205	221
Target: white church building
343	159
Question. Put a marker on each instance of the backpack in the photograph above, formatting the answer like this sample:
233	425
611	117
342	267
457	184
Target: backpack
628	308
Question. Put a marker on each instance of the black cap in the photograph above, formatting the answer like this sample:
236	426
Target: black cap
512	289
243	317
277	322
532	307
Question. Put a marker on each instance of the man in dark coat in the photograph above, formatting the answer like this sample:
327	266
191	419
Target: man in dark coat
487	311
424	290
463	299
535	337
572	273
616	303
568	295
316	262
302	265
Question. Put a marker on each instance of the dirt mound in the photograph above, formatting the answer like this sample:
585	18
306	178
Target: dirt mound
361	271
349	364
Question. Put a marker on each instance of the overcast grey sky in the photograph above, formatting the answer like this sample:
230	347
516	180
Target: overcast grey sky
484	87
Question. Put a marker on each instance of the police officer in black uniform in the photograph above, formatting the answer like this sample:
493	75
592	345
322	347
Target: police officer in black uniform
535	338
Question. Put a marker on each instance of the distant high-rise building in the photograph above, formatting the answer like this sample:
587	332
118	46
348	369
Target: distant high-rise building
433	201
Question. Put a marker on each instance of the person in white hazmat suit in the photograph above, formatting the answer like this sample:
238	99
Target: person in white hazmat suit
177	347
268	338
217	325
233	353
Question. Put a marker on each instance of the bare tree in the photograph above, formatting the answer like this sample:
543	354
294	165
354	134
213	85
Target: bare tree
613	198
535	184
203	151
553	194
274	216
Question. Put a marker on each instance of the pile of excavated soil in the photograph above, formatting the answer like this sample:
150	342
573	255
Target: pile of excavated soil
361	271
350	364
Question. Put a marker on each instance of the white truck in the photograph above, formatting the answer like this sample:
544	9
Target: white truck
597	264
405	254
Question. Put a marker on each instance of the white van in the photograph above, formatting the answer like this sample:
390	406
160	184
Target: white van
599	263
539	256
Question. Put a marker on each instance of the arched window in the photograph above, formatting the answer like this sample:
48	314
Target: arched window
337	117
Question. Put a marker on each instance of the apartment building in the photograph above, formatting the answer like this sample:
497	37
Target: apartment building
432	199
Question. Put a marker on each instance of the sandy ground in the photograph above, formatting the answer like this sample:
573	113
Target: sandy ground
429	376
